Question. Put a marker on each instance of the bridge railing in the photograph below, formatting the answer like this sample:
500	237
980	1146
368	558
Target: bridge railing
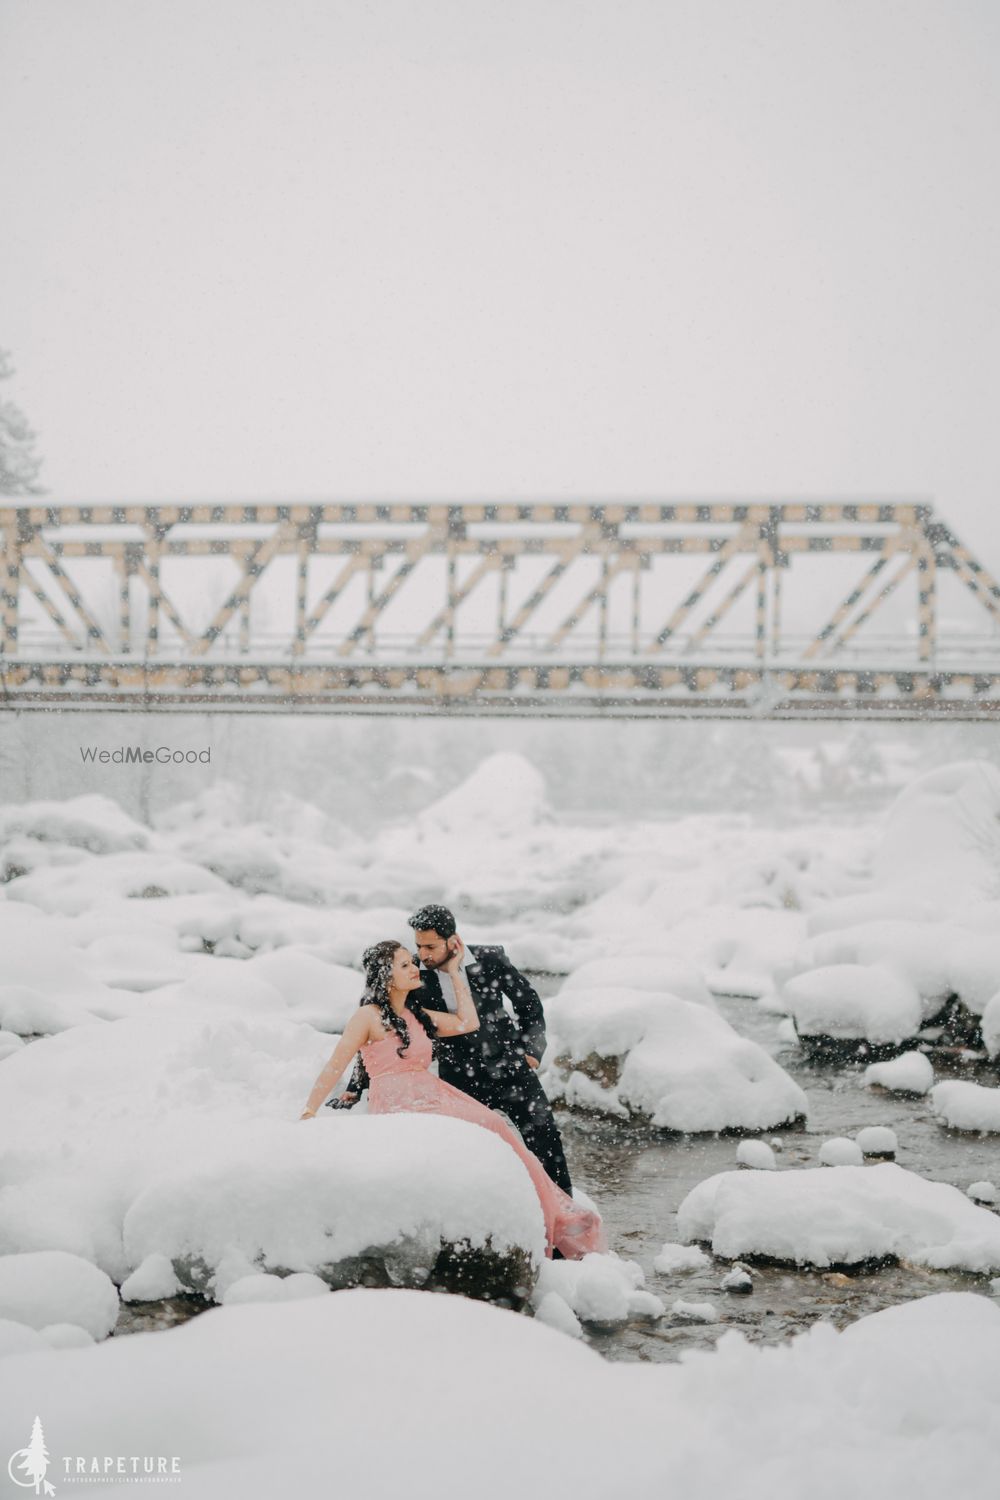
274	646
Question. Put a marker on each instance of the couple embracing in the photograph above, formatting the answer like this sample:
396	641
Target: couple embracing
410	1015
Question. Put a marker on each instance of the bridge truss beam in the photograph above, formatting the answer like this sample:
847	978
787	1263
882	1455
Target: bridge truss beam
131	643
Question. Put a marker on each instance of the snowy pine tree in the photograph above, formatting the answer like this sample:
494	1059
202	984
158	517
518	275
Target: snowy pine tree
19	463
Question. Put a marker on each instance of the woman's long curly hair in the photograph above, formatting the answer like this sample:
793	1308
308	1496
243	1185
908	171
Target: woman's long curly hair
378	974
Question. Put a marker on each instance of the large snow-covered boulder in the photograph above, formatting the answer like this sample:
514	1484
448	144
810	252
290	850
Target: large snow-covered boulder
939	855
942	835
504	795
407	1200
939	959
848	1001
841	1216
741	1421
929	916
678	1064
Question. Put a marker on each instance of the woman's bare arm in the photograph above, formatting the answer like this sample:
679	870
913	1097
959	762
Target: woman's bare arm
467	1017
355	1034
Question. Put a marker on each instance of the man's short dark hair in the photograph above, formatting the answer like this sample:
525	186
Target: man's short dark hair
434	918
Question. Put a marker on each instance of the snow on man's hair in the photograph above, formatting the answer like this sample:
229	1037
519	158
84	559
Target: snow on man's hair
438	918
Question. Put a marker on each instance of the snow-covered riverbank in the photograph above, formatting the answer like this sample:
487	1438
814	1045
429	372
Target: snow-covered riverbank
168	994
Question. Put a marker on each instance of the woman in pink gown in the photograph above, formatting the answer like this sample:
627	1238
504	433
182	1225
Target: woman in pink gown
394	1034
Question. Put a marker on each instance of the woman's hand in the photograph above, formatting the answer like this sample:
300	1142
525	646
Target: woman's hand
453	962
308	1114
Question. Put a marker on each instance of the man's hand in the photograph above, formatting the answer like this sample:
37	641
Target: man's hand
531	1061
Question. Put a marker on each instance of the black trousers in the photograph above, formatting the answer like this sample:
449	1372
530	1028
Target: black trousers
523	1100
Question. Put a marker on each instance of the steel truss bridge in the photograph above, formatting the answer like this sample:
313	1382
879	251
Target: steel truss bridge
576	609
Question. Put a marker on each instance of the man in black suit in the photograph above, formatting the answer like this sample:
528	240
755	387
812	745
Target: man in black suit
497	1063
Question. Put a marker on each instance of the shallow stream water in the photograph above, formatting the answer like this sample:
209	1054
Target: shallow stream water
640	1176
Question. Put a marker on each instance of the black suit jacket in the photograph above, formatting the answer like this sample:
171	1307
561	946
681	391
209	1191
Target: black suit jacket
495	1053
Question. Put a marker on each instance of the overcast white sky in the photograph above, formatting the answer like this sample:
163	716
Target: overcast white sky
477	248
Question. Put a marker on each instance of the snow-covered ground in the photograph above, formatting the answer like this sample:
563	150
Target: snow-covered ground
266	1399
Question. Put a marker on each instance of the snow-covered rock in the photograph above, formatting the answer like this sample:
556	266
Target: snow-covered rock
334	1195
141	875
937	958
910	1073
695	1312
942	835
557	1313
600	1289
964	1105
672	1258
756	1154
680	1065
840	1151
991	1027
841	1215
505	795
848	1001
877	1141
986	1193
152	1281
44	1287
92	822
884	960
244	857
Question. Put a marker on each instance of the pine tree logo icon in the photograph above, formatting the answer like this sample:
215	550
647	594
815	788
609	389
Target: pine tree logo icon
33	1461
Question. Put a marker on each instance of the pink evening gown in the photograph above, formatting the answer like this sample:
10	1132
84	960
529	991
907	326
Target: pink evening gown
402	1085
